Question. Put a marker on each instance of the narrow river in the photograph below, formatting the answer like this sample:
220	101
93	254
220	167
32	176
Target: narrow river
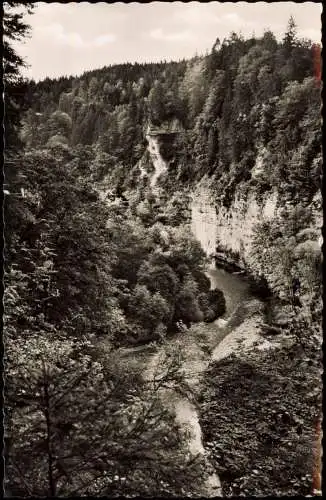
196	361
194	365
234	287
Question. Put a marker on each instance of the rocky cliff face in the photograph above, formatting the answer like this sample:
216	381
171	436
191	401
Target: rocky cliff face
232	229
204	221
160	165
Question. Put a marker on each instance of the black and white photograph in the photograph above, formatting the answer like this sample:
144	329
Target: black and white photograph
163	249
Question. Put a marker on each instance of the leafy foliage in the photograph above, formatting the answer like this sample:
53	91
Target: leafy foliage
269	444
287	248
82	424
14	29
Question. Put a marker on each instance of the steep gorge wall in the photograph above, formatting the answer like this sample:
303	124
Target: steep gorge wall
231	230
204	223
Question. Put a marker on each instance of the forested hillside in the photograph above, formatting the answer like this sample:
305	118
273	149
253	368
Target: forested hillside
96	259
246	96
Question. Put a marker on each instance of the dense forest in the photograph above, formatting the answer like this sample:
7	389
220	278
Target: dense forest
96	260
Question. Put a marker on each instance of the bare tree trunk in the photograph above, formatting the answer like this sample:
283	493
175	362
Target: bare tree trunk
51	482
317	483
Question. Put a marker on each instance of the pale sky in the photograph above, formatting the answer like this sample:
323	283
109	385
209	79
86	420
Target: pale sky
68	39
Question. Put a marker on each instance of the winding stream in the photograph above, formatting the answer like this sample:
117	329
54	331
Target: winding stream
186	411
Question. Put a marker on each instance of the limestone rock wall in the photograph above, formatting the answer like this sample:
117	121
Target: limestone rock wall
232	227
